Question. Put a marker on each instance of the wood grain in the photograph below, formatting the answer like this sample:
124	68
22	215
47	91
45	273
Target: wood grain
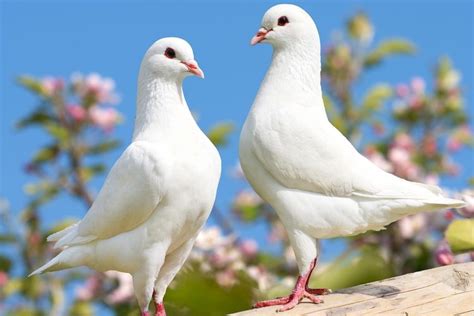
442	291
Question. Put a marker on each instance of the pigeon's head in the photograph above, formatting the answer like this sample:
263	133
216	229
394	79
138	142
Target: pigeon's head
285	25
171	57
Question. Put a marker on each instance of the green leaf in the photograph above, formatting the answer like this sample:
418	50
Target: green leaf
460	235
31	84
39	116
88	172
102	147
197	293
248	213
376	97
46	154
57	131
81	308
365	265
7	239
387	48
220	132
32	287
5	263
13	286
360	28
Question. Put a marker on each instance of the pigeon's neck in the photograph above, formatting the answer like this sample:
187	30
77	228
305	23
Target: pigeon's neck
295	76
161	107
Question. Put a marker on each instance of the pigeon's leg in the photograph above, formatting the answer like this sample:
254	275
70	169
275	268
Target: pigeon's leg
305	249
143	286
173	263
144	279
321	291
299	292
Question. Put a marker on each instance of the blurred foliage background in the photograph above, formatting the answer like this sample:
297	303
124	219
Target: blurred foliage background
405	129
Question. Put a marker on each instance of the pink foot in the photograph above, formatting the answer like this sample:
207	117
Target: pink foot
318	291
299	292
160	309
145	313
289	301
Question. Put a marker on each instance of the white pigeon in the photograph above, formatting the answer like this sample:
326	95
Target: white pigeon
159	193
297	161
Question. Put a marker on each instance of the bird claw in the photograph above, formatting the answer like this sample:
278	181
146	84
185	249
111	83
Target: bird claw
290	301
319	291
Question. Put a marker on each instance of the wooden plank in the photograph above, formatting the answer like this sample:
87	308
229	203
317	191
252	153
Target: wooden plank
447	290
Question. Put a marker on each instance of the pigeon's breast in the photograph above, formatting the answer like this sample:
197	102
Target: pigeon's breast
193	187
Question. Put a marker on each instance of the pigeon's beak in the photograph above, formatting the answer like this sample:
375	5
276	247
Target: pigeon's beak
193	68
260	36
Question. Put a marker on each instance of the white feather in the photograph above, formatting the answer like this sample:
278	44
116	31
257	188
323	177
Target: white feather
317	182
157	195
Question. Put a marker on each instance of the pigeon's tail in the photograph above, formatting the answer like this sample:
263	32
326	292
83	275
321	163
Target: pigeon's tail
69	237
60	234
68	258
410	207
443	202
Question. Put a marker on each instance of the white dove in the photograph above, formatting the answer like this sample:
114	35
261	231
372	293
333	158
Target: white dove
297	161
158	194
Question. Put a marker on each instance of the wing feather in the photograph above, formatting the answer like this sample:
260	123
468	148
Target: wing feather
314	156
131	192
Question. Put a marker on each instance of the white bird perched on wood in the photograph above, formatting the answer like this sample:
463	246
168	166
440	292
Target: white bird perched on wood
158	194
297	161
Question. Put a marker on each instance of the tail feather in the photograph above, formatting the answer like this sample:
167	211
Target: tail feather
68	258
446	202
60	234
52	265
72	239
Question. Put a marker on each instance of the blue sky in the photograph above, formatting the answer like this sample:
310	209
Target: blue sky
58	38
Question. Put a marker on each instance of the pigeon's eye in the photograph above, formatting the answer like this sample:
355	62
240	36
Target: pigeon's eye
170	53
283	20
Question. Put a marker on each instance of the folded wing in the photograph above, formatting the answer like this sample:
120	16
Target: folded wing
314	156
131	193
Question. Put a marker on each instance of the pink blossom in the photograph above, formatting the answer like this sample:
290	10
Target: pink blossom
402	164
443	254
247	198
226	278
379	129
409	226
468	210
449	215
94	86
402	90
89	289
104	118
248	248
399	156
418	85
430	146
378	159
76	112
224	256
404	141
124	291
51	86
261	276
431	179
454	144
415	102
3	278
237	171
277	232
210	238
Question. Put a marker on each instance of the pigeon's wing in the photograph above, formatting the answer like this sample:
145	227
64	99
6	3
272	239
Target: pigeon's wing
131	192
312	155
